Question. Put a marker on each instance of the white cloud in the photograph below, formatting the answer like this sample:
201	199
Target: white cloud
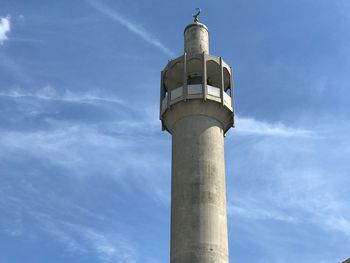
132	27
5	28
251	126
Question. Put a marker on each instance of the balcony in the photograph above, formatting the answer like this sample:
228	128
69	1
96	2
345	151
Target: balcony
196	91
205	80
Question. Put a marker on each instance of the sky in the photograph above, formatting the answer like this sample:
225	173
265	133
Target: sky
85	168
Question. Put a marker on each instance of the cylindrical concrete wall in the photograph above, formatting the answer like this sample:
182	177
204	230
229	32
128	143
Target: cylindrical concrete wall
198	192
196	39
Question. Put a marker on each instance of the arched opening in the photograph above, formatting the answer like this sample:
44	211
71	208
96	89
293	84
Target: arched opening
194	71
213	74
227	81
173	76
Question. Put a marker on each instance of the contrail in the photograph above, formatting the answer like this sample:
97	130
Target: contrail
130	25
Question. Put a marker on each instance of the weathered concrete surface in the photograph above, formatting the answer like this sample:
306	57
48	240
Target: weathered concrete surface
209	108
198	198
196	39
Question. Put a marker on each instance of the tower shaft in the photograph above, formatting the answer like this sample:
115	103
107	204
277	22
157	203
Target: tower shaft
198	193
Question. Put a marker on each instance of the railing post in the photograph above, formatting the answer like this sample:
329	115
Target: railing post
169	99
232	97
162	94
161	97
204	77
222	82
185	88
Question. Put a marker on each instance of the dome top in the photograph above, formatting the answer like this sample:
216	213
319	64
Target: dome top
196	24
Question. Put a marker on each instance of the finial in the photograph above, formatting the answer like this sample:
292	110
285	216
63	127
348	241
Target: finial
196	15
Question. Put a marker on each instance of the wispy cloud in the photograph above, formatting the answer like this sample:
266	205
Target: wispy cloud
75	147
258	212
49	93
5	27
131	26
290	181
78	238
86	140
315	200
18	73
251	126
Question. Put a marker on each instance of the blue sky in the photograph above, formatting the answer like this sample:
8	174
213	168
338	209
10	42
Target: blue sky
85	168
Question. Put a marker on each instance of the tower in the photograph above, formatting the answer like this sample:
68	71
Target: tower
196	108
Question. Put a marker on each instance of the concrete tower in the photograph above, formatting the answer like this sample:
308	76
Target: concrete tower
196	108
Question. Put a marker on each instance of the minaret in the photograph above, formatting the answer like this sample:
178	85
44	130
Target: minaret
196	108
